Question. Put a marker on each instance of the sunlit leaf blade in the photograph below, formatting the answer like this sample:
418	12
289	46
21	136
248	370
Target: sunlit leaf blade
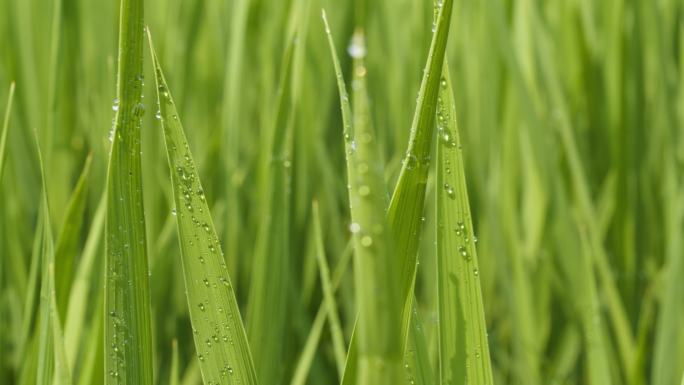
463	345
220	340
128	339
407	203
5	128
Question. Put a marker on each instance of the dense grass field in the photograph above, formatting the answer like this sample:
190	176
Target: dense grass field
371	192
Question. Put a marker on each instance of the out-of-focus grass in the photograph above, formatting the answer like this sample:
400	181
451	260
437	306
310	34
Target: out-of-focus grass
570	122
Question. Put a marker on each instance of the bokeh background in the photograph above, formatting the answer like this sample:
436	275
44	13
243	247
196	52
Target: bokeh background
571	114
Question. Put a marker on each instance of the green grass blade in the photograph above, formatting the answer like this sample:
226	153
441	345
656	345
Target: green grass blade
62	370
595	340
220	339
406	206
83	283
5	128
128	337
308	352
174	373
463	345
667	357
267	302
25	341
69	237
379	350
51	355
339	348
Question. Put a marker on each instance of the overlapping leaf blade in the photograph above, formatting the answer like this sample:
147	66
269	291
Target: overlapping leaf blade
219	335
463	345
128	336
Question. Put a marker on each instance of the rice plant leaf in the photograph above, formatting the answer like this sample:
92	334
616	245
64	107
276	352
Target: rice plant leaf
174	372
69	236
407	203
406	206
463	346
62	370
52	357
268	293
594	337
128	337
329	295
220	339
25	341
667	357
5	128
379	346
308	352
83	282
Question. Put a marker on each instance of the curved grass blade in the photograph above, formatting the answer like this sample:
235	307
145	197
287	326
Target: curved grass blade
463	346
128	337
379	347
220	339
5	128
406	206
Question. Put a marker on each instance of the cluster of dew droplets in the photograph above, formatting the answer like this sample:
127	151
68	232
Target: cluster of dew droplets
192	201
461	231
118	344
437	9
446	137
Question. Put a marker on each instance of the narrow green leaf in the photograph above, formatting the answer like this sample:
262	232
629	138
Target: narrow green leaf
51	355
308	352
83	282
128	337
463	345
379	350
5	128
62	370
408	199
267	302
329	295
69	237
174	373
220	339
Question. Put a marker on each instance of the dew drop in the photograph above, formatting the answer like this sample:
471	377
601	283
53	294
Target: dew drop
357	48
115	105
354	227
449	191
410	162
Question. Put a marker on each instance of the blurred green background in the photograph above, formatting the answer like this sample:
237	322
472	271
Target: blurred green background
571	114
